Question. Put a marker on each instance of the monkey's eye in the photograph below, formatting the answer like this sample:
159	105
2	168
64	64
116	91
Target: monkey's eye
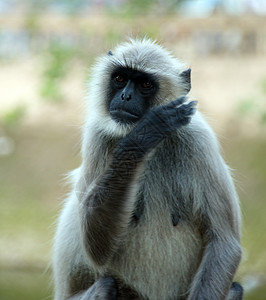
120	79
146	85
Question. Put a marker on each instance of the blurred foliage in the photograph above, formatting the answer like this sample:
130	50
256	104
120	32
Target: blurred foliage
32	22
247	107
13	117
66	6
263	85
137	7
254	105
263	117
57	63
129	8
247	157
24	285
112	36
258	294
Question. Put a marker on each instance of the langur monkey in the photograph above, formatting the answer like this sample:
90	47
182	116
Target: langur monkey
153	213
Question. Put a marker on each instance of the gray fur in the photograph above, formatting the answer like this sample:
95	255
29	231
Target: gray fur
186	242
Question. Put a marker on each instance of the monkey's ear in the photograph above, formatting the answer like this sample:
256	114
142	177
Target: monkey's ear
186	78
110	52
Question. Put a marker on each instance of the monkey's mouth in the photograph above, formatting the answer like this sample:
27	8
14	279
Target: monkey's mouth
124	116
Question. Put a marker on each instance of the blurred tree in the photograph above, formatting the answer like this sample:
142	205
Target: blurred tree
14	116
254	105
57	64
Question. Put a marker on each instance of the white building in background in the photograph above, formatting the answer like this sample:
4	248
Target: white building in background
190	8
204	8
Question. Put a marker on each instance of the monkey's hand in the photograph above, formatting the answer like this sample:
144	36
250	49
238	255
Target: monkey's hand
167	118
159	123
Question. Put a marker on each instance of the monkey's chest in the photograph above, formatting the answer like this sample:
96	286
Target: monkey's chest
157	258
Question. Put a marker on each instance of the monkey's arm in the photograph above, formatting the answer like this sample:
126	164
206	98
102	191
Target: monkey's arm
220	219
106	209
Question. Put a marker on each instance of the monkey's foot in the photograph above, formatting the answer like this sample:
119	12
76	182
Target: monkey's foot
102	289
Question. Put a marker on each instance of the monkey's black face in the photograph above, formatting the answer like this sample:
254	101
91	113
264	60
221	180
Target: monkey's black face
131	94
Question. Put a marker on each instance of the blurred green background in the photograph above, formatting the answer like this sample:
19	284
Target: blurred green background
46	48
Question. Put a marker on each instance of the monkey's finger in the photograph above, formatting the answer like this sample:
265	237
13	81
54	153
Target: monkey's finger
177	102
186	110
189	110
191	104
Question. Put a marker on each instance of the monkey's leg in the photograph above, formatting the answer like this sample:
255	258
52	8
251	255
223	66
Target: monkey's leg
102	289
236	292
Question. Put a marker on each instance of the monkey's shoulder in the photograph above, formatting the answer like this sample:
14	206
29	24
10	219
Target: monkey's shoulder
195	142
181	167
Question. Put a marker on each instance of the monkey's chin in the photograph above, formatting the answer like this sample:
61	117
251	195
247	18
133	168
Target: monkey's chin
124	117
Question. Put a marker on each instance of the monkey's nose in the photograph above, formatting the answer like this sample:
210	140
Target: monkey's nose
126	97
